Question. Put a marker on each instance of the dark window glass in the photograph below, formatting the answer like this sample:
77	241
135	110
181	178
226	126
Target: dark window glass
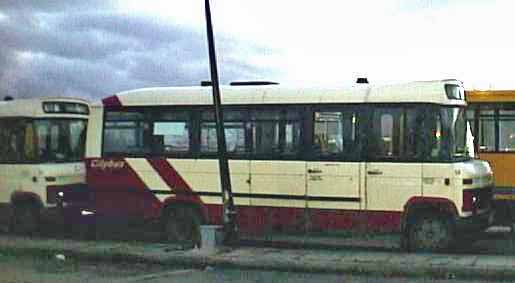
275	132
506	130
56	140
163	115
42	140
396	133
414	142
334	134
292	138
448	136
384	142
171	132
454	92
263	133
471	118
266	126
169	137
125	132
234	132
11	140
486	135
234	137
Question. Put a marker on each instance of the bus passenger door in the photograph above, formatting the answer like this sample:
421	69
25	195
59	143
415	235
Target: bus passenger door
392	172
277	173
333	172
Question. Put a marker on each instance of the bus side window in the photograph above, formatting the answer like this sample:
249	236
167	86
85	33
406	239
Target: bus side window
171	131
383	141
335	134
235	137
14	138
486	135
125	132
265	128
171	137
396	133
4	140
506	130
30	143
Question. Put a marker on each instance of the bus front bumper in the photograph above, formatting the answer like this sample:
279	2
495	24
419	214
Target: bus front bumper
475	223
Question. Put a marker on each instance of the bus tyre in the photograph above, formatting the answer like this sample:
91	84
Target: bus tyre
182	226
25	219
430	233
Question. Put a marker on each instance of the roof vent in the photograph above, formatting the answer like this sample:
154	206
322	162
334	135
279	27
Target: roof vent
253	83
8	98
362	81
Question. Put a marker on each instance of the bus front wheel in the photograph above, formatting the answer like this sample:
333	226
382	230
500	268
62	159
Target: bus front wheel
430	232
182	226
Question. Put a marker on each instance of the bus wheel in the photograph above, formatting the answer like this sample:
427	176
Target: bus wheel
182	226
430	233
25	219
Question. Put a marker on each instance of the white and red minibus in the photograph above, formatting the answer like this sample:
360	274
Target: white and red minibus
391	158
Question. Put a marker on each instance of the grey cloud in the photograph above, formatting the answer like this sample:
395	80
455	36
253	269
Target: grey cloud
94	54
54	5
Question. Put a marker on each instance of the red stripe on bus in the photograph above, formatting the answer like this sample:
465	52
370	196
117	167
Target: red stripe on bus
112	102
120	191
262	220
176	183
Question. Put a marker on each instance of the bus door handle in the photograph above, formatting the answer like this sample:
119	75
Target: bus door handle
311	171
375	172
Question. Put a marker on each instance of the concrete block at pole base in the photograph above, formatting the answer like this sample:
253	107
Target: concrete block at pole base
211	237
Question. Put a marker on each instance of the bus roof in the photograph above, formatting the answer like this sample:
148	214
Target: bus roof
33	107
413	92
488	96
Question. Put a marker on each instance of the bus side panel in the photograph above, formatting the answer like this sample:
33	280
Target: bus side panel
119	191
503	165
7	180
202	176
5	192
390	185
278	196
94	140
434	182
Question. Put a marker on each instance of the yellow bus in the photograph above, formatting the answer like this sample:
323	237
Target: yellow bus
492	117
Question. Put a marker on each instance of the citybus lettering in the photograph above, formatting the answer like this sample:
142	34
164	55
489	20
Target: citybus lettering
107	164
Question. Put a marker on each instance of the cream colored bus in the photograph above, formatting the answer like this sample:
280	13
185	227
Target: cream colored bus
42	143
389	158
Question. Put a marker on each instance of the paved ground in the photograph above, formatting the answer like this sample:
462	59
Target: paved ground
44	269
49	269
372	262
253	276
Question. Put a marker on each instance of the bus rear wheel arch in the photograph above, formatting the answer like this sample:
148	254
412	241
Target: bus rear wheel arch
181	224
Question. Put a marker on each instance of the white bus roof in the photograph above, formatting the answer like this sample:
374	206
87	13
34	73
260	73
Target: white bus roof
33	107
413	92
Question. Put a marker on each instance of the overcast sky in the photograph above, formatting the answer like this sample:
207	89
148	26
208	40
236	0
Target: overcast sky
94	48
